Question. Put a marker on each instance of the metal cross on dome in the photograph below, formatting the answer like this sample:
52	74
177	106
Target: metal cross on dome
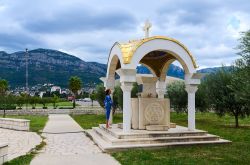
146	28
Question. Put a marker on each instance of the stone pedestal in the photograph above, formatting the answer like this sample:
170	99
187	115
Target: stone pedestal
151	112
148	111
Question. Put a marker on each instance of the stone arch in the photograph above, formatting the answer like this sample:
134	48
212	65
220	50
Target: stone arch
179	52
114	61
165	69
150	69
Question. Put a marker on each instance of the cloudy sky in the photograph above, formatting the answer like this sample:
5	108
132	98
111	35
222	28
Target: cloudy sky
88	29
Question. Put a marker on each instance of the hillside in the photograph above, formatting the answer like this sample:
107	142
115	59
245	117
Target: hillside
52	66
47	66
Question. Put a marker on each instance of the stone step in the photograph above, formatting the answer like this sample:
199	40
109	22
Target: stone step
102	127
172	125
114	141
161	145
149	134
106	136
98	140
164	140
108	147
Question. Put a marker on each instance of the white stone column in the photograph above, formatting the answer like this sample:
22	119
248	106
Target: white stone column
191	89
127	114
161	88
127	78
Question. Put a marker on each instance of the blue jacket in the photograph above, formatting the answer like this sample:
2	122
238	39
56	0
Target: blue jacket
108	102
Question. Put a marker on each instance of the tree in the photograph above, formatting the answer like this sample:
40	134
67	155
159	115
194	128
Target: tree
7	102
33	101
44	101
178	96
244	47
201	98
92	97
55	99
75	85
20	100
134	90
118	98
240	84
241	78
3	86
100	94
222	97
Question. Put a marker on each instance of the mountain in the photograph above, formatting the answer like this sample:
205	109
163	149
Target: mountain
214	69
174	71
48	66
52	66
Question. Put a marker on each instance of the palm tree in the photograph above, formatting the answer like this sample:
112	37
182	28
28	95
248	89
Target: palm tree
3	86
75	84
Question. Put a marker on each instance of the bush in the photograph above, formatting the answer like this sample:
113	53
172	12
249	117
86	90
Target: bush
66	108
100	94
178	96
7	107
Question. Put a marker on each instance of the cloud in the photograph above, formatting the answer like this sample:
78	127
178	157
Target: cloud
81	19
17	41
88	29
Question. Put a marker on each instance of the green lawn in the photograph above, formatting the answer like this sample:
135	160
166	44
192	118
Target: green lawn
59	104
236	153
36	122
89	121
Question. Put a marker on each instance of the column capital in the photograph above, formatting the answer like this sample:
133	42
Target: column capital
109	83
126	86
191	88
127	75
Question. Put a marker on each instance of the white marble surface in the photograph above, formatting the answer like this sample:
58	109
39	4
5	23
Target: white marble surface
15	124
20	142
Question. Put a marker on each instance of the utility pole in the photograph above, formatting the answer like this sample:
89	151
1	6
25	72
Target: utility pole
27	76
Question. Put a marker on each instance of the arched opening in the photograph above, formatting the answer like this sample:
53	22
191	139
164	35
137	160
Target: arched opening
113	66
160	63
143	69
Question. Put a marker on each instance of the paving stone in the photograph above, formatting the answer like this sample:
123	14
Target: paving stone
65	148
20	142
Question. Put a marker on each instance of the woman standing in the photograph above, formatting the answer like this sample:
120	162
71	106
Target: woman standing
108	104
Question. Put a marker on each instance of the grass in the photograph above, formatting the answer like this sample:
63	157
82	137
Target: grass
37	123
59	104
21	160
26	159
89	121
236	153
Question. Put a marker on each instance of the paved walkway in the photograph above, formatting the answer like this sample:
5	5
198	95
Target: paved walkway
67	144
20	142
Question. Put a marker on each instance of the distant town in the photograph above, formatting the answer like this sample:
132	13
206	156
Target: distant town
49	89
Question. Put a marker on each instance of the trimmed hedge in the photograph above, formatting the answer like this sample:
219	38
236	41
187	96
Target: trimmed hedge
8	107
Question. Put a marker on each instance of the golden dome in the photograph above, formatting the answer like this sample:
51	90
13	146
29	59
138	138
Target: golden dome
128	49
